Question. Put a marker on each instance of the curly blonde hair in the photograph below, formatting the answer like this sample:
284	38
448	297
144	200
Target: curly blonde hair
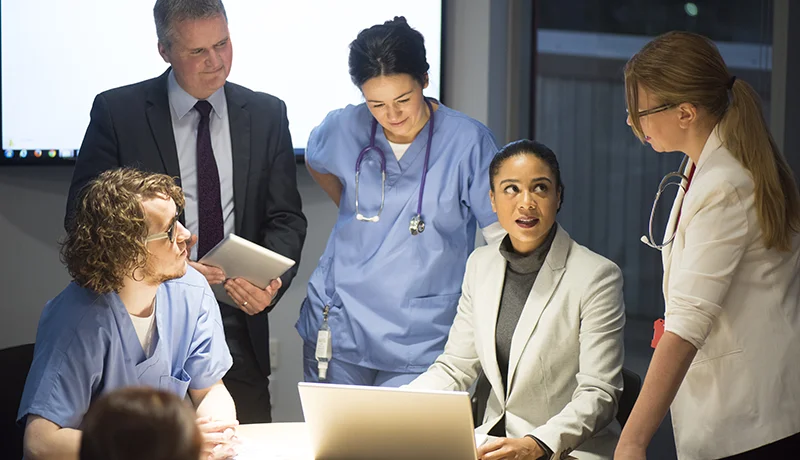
106	240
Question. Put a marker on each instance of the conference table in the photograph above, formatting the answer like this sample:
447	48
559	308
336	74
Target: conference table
276	441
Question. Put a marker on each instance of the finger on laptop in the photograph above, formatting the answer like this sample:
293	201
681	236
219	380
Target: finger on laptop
489	446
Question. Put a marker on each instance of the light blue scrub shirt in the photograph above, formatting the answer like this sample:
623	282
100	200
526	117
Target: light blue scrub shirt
86	346
393	296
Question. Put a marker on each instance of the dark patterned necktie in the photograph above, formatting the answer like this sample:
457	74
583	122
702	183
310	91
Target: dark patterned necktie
209	202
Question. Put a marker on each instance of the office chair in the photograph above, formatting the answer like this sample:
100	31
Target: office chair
631	381
15	363
479	398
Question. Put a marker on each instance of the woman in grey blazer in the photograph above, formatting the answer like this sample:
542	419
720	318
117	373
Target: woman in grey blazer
542	317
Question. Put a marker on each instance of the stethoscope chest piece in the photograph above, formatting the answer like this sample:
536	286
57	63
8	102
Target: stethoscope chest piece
417	225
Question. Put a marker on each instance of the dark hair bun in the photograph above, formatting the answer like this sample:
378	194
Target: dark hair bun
391	48
397	21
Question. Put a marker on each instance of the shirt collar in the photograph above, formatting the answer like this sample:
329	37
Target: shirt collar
182	102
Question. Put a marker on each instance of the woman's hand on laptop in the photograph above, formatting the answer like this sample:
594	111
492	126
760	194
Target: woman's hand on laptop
511	449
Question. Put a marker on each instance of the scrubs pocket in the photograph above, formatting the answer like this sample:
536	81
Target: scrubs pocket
430	319
436	311
178	386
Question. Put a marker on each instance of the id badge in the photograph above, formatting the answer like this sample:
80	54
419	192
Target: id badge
324	349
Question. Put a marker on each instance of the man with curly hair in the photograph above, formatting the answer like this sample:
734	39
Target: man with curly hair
135	315
232	151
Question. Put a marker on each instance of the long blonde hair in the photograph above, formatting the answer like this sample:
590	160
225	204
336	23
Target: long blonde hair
682	67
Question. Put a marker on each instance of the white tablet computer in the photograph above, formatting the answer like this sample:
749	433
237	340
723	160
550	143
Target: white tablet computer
240	258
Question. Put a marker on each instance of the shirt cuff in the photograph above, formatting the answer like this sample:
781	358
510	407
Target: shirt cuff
689	326
547	451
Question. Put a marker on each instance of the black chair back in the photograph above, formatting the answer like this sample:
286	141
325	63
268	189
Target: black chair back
15	363
632	383
479	398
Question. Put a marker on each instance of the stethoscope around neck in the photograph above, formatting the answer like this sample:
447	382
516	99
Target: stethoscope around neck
416	225
666	182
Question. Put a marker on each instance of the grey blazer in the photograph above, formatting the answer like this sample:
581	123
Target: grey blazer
566	352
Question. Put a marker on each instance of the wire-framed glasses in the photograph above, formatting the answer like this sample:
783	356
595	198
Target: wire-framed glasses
660	108
169	234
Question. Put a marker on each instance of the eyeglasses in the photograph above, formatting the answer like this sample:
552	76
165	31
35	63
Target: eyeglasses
170	233
660	108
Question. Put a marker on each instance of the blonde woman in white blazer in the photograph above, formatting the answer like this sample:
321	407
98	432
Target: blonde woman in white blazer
730	354
542	317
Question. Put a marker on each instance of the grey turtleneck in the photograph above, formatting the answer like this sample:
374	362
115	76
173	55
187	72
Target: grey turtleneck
521	272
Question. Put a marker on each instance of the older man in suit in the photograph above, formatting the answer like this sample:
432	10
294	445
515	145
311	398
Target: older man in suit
232	151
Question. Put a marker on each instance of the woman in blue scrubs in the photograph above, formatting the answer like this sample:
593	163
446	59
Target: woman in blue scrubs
409	176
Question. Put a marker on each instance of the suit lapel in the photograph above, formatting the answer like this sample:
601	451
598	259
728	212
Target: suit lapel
239	119
543	288
160	121
489	292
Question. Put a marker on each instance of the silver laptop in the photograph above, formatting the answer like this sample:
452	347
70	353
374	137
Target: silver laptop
358	422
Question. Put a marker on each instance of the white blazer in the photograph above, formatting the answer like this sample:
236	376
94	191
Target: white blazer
566	352
739	305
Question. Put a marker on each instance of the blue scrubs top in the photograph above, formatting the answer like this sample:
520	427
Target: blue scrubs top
86	346
393	296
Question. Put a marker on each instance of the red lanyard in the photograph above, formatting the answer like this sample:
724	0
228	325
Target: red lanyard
685	191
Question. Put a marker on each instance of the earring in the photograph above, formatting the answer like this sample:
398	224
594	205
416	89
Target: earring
133	275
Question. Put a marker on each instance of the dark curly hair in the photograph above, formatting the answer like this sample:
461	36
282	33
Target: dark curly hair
106	241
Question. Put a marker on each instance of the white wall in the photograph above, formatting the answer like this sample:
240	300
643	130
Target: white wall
487	57
32	201
466	57
321	214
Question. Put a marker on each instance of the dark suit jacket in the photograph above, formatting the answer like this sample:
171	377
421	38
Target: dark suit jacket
131	126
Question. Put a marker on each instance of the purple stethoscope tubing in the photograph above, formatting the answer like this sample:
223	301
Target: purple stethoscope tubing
372	146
